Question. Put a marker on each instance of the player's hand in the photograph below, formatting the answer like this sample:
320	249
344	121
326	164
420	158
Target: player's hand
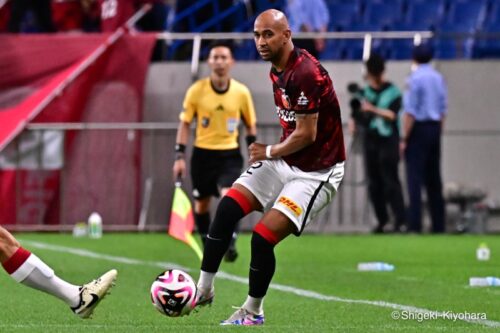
368	107
179	169
256	152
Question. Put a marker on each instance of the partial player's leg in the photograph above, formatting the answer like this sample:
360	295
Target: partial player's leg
28	269
229	171
231	253
202	217
274	227
235	205
254	188
302	197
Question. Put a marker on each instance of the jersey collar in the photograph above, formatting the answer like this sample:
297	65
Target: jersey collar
217	91
291	60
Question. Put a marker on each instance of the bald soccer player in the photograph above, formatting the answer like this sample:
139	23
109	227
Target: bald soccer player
291	181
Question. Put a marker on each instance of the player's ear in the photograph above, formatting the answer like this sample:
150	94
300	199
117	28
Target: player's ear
287	34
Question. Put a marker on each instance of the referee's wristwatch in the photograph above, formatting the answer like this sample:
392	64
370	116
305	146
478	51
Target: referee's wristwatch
180	150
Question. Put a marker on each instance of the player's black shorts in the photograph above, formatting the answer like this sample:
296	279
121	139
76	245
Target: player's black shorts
214	169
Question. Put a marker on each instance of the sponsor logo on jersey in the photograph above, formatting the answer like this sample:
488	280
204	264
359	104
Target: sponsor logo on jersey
285	99
220	107
285	115
291	205
302	100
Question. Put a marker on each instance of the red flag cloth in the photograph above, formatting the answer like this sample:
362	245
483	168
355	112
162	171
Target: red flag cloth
181	222
100	168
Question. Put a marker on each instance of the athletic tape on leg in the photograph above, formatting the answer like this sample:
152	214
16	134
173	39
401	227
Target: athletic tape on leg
267	234
240	199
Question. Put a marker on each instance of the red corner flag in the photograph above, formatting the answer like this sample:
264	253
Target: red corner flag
182	220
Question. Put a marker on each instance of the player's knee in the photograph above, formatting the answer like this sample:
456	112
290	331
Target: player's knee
202	206
243	202
261	234
8	243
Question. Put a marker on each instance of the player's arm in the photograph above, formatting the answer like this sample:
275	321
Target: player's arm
407	125
388	114
251	134
181	141
303	135
183	131
407	122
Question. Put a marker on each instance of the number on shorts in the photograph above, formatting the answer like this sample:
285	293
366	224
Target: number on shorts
256	165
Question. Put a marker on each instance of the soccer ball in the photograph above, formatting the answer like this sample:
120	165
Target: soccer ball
174	293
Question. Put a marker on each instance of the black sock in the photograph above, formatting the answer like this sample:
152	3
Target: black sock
221	230
262	266
234	236
202	224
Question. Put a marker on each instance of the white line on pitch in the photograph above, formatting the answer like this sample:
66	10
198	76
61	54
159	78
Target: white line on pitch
280	287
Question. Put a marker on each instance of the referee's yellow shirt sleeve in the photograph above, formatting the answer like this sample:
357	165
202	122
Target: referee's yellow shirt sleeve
248	110
189	104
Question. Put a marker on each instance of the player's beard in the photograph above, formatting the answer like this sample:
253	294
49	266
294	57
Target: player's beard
269	56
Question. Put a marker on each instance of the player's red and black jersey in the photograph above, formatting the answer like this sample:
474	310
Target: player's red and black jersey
304	86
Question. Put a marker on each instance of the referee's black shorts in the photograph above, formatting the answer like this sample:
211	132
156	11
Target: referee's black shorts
214	169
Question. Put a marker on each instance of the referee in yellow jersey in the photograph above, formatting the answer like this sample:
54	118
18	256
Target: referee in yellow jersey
217	103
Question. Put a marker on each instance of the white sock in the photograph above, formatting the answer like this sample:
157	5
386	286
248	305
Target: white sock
36	274
206	282
254	305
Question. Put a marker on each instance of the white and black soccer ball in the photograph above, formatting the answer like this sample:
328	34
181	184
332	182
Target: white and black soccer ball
174	293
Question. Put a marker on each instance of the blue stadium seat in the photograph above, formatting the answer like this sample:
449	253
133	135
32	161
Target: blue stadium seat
332	2
493	15
485	47
343	15
467	13
333	50
353	48
381	14
398	49
455	38
262	5
446	48
245	50
424	14
417	26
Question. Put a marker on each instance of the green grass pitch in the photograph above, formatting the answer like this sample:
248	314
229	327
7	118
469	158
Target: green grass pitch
317	287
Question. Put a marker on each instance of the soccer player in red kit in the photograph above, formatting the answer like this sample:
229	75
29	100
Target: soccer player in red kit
291	181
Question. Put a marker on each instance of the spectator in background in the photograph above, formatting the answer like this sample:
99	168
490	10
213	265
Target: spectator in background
115	13
378	114
41	11
308	16
425	108
92	17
